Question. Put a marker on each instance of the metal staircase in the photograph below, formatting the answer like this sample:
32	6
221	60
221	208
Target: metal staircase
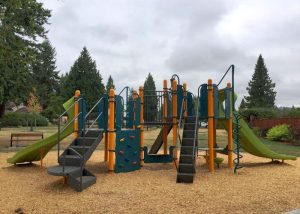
187	161
72	161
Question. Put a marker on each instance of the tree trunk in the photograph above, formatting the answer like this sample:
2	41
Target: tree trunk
2	109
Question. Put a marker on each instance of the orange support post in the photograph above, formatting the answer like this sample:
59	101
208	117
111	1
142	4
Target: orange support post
111	131
77	95
210	126
174	110
185	101
165	119
141	93
230	147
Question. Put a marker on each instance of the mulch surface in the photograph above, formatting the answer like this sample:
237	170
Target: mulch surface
259	187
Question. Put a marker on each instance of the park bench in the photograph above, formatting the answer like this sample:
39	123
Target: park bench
25	136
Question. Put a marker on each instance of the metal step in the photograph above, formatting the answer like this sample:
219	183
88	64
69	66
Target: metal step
186	168
191	119
186	159
187	142
59	171
84	141
80	149
70	160
93	133
188	134
189	126
185	177
186	150
80	183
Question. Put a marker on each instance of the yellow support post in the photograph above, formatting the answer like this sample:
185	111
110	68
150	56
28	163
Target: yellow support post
174	110
141	93
230	146
76	107
165	119
185	101
111	131
210	127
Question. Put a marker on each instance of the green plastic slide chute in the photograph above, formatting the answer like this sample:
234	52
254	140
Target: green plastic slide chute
38	150
248	140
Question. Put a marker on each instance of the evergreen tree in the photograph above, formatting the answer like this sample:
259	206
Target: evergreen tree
85	77
21	26
150	99
242	105
109	84
260	88
45	76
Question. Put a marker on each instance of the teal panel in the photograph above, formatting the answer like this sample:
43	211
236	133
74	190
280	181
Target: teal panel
216	101
203	111
227	103
180	96
190	104
103	108
158	158
119	108
127	150
81	108
129	114
137	111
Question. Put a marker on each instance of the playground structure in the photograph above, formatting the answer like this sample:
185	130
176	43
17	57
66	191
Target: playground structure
120	120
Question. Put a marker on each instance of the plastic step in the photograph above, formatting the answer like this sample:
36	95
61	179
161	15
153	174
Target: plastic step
185	177
186	168
186	159
186	150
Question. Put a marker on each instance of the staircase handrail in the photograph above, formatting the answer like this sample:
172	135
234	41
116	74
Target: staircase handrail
182	110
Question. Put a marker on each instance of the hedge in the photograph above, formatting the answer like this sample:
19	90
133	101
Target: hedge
22	119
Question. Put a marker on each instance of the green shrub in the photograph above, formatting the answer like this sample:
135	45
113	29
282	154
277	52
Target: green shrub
280	133
23	119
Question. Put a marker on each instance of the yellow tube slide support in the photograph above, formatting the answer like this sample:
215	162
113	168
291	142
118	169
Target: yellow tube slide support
174	110
210	126
141	92
111	131
165	115
77	95
230	146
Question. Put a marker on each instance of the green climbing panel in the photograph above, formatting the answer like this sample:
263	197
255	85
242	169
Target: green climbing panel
127	150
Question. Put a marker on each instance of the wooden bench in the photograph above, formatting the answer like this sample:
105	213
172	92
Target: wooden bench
15	137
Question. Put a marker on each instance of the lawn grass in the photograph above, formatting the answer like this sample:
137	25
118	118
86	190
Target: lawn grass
150	136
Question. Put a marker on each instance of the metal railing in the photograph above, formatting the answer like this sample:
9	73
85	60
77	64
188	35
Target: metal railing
231	68
180	122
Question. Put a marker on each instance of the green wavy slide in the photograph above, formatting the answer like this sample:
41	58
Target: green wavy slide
249	141
38	150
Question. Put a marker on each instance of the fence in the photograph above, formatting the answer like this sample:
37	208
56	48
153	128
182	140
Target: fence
265	124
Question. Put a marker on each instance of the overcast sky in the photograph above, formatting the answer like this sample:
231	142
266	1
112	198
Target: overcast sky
195	39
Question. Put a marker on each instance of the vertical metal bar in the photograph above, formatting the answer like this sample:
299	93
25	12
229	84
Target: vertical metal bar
230	146
141	93
210	126
174	110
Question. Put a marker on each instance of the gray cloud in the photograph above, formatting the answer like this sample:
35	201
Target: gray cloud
196	39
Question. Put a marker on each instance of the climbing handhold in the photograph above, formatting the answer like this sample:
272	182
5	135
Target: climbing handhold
121	152
134	163
132	137
122	139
